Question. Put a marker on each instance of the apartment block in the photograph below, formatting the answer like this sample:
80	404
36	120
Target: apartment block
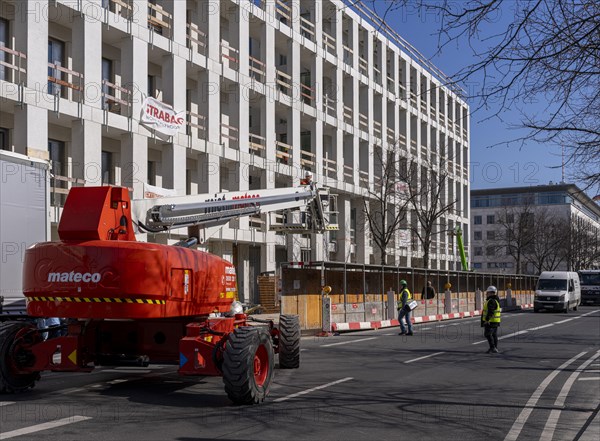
270	89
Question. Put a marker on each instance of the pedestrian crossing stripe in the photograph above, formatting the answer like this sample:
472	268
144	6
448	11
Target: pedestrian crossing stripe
96	300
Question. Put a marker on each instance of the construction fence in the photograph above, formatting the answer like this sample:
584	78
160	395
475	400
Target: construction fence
359	293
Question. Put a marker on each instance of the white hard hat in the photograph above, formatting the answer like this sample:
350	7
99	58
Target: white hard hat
492	288
308	174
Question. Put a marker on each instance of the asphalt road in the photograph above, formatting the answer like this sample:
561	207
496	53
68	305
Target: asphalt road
438	384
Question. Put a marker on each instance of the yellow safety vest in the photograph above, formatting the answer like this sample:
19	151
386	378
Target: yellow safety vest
408	297
496	317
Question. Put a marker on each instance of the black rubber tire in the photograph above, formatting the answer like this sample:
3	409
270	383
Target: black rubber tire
289	342
239	376
9	381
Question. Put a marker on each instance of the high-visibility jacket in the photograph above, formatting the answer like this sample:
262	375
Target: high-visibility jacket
495	318
401	303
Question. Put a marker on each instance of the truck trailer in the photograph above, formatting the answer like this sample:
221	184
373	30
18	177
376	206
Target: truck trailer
24	221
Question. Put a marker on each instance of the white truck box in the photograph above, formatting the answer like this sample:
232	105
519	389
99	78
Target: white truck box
24	220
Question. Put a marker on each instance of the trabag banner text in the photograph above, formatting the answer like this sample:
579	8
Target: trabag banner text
161	117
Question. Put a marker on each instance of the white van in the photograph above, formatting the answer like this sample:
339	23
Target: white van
558	291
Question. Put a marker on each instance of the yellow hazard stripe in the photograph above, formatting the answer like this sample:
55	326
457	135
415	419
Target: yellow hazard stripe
97	300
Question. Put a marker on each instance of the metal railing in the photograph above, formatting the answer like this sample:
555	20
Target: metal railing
283	153
229	135
363	66
329	43
17	65
284	82
122	8
363	122
196	38
348	115
257	145
63	77
307	94
307	159
116	99
329	105
196	124
159	20
257	69
349	174
307	29
230	55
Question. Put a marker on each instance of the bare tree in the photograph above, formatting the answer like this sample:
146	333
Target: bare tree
426	192
548	51
544	253
517	232
581	245
383	204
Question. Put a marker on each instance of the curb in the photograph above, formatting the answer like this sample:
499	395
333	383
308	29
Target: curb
378	324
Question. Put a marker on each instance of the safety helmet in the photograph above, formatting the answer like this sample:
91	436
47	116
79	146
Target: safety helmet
492	289
308	174
403	282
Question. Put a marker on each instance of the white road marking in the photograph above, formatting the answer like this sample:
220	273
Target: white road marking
504	336
593	371
550	427
43	426
117	381
536	328
517	426
422	358
6	403
542	327
72	390
589	379
424	329
348	342
304	392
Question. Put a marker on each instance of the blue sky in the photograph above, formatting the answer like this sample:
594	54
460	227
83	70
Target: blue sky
493	163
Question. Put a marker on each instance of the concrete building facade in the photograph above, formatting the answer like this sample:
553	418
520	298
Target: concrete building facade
270	89
496	212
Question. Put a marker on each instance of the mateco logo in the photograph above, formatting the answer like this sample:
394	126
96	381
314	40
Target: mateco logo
74	277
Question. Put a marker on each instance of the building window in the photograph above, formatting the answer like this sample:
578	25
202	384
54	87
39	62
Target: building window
4	139
151	86
490	251
58	162
56	55
107	75
3	55
478	251
510	218
477	235
490	235
477	220
477	265
107	168
491	219
151	172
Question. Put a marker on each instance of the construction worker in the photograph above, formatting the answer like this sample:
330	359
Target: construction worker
308	179
404	311
490	319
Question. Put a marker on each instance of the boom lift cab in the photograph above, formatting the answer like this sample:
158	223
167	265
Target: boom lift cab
130	302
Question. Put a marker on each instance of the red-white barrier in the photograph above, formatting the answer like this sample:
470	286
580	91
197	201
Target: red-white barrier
378	324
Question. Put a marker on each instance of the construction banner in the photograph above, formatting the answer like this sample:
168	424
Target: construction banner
161	117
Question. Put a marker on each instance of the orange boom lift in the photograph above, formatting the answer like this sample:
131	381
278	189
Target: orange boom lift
129	302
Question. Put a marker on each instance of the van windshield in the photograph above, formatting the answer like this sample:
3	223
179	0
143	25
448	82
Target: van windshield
552	284
590	279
